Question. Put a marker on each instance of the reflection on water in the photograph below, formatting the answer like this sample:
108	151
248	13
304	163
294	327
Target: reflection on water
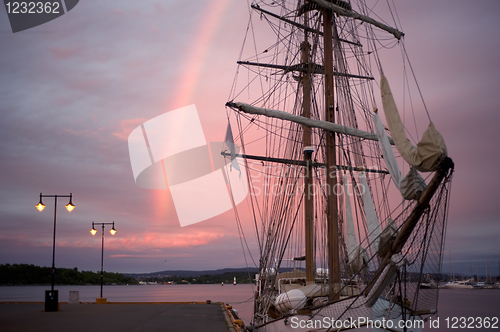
452	302
466	303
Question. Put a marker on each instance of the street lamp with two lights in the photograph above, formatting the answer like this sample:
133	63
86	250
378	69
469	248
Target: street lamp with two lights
93	231
52	297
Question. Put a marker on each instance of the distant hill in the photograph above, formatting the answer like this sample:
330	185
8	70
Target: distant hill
242	275
190	273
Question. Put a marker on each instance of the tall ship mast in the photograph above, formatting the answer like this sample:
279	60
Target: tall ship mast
342	235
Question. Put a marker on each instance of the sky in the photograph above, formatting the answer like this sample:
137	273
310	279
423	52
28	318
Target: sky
73	89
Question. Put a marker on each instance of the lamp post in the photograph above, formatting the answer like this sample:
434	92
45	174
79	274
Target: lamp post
93	231
51	298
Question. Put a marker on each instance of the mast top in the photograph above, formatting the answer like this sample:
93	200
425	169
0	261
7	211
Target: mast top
308	6
343	8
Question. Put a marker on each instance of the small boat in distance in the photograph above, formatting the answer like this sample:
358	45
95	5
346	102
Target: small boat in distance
428	285
459	284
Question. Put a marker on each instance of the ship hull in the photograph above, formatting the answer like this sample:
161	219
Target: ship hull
348	315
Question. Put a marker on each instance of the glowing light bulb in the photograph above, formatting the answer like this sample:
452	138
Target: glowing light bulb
40	206
70	207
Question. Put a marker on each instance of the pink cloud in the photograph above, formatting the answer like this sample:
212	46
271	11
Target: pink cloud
100	56
126	127
135	13
150	255
75	244
65	53
159	7
153	28
135	63
87	85
62	101
148	241
155	240
84	133
36	242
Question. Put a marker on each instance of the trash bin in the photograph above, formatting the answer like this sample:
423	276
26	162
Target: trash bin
51	300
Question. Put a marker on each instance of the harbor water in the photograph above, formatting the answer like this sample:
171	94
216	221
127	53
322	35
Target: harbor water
454	304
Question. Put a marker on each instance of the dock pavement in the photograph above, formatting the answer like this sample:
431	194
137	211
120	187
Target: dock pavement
115	317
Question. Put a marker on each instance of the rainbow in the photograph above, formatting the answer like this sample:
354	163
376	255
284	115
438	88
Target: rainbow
195	61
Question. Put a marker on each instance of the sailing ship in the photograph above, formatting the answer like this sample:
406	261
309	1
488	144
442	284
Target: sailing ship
325	182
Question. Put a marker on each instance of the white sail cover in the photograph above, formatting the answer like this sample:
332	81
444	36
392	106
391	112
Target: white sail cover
429	151
246	108
229	142
359	263
351	241
412	185
372	223
387	238
389	158
358	257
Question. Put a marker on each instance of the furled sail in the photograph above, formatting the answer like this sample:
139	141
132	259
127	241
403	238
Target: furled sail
359	262
246	108
387	238
372	223
351	241
229	142
357	255
412	185
389	158
429	151
339	10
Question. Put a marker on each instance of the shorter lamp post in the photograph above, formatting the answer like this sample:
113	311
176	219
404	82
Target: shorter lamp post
51	299
93	231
